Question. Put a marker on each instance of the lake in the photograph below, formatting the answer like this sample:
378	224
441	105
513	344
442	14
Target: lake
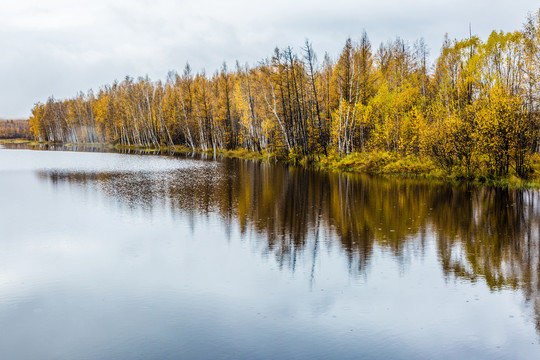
123	256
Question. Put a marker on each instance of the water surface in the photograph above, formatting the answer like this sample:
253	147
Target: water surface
117	256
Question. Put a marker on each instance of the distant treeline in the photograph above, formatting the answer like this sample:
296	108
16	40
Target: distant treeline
475	109
15	129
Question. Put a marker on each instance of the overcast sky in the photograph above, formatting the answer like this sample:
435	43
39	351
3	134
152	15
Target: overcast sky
60	47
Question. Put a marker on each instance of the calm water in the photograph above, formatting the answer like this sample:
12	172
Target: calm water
114	256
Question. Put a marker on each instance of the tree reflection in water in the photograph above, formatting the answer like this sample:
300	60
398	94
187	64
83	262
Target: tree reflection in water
481	234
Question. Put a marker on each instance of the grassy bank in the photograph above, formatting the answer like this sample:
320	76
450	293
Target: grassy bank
391	164
380	163
19	141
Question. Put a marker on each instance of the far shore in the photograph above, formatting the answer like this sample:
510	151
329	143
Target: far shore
377	163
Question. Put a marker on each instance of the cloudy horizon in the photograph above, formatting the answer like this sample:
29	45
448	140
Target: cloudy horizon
58	47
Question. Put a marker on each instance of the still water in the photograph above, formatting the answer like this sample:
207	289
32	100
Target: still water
116	256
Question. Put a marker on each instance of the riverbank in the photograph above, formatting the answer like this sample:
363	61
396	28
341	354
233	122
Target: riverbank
19	141
379	163
391	164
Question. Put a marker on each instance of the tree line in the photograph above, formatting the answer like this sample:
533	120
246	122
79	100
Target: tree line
14	129
475	108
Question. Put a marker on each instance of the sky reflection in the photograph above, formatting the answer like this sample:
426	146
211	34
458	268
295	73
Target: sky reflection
202	259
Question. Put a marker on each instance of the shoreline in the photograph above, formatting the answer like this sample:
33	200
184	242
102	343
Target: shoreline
374	163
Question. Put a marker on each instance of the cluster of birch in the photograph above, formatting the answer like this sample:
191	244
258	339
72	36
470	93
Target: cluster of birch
475	106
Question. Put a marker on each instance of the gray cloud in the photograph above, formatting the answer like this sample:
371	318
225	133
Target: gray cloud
60	47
